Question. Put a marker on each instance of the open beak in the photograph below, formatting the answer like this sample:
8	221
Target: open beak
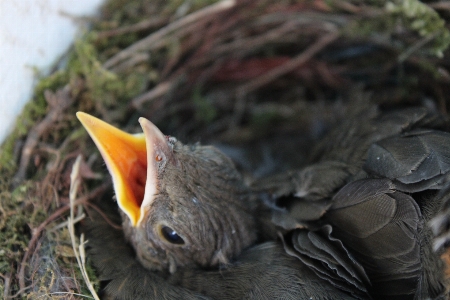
125	156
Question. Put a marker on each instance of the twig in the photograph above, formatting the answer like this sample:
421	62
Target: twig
444	5
188	45
254	42
130	63
18	293
65	223
156	92
65	293
277	72
58	102
147	42
416	46
79	254
104	216
143	25
6	284
287	67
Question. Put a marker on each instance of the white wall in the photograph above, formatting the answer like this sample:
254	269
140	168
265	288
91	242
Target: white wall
33	33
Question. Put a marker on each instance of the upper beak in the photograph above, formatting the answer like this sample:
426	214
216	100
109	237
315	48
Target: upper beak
125	156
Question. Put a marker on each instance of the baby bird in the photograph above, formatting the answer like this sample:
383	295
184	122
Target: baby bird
353	224
183	205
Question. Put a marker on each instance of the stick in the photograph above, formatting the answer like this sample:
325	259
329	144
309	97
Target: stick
289	66
161	33
156	92
58	102
143	25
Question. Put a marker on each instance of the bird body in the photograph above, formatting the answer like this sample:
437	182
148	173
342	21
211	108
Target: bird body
353	224
264	271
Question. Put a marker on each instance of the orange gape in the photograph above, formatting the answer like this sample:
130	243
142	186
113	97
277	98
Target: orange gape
125	156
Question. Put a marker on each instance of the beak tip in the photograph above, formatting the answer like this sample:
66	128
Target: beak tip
146	124
142	121
82	116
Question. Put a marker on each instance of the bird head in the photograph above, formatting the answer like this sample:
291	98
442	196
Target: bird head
181	204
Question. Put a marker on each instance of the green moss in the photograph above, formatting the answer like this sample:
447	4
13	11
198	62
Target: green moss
100	82
7	160
19	211
406	15
105	88
421	18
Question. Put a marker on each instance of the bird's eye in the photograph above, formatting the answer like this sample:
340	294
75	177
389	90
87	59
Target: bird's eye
171	235
158	158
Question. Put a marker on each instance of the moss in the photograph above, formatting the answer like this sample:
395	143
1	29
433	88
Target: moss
421	18
20	210
101	83
405	17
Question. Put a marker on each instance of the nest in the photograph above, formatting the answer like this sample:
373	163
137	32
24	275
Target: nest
239	74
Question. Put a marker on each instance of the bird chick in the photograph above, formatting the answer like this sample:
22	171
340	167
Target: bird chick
181	204
353	223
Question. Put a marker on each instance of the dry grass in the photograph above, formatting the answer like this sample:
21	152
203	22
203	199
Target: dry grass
80	254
